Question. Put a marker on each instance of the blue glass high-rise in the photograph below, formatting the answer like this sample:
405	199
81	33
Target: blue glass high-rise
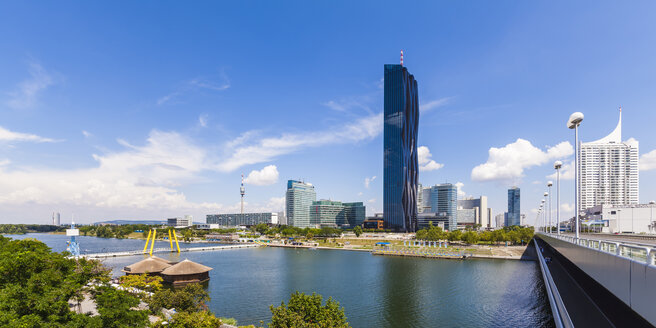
400	166
513	217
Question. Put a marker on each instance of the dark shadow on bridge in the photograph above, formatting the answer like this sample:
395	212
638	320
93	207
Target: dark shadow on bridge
588	303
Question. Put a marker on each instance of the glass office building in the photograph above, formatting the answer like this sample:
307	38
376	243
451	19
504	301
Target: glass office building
327	213
242	219
513	217
447	203
298	199
400	167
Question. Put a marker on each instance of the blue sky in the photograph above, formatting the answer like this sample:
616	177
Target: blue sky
147	110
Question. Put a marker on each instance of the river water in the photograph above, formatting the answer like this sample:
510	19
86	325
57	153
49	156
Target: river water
375	291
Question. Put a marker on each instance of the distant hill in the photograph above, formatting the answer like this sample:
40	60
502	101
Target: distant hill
122	222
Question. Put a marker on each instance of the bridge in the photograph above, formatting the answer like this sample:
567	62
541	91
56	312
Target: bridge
599	280
166	250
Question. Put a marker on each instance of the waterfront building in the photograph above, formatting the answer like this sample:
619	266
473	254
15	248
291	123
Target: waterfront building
152	265
207	226
441	199
400	166
633	218
328	213
466	217
513	215
420	198
242	219
298	199
374	223
56	219
437	219
500	219
482	214
187	221
609	170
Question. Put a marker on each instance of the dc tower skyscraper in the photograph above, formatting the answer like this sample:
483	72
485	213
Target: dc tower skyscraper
400	166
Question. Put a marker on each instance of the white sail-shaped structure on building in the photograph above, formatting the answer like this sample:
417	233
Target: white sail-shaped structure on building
609	171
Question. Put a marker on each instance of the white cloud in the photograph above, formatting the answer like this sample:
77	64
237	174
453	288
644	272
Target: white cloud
264	177
86	134
198	83
434	104
202	120
425	162
137	178
360	193
566	172
509	162
245	151
276	204
368	180
28	91
461	193
4	162
648	161
10	136
372	201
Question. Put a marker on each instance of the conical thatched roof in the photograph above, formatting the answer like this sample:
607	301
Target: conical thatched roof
162	260
185	267
152	264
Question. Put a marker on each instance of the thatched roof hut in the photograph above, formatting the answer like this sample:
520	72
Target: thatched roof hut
152	265
186	272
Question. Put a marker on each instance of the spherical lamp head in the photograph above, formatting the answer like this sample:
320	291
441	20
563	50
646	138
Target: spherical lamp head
558	165
574	120
549	183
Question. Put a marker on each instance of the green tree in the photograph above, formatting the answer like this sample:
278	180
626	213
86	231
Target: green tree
115	306
190	298
308	311
201	319
455	235
357	231
142	281
470	237
262	228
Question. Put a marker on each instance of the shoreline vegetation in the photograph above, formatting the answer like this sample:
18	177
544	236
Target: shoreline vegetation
505	243
39	287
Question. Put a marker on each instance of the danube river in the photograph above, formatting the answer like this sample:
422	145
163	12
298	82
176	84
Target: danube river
375	291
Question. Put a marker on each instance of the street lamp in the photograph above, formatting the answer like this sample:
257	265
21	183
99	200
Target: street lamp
573	123
549	184
544	211
557	166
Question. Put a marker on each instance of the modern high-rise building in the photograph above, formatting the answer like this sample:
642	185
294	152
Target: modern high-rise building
441	201
420	198
298	199
609	171
328	213
500	218
482	214
56	219
513	216
400	166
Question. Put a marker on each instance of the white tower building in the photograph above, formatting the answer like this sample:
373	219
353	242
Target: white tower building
608	170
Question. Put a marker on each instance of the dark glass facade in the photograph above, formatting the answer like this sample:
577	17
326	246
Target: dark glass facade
400	167
513	217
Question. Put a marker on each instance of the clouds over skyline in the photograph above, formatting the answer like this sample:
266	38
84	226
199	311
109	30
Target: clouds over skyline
648	161
249	148
509	162
368	181
264	177
426	164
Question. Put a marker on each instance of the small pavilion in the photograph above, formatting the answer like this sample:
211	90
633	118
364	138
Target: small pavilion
152	265
185	272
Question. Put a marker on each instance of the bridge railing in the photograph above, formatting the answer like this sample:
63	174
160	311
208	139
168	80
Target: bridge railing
639	253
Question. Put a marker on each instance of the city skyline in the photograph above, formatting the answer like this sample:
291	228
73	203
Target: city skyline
144	123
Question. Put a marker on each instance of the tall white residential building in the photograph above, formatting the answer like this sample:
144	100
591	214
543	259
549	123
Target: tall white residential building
56	219
608	171
298	199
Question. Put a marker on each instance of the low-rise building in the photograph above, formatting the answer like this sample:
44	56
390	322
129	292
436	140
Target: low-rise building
187	221
441	220
374	223
634	218
242	219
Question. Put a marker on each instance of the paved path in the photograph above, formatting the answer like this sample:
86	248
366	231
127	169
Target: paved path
168	250
647	240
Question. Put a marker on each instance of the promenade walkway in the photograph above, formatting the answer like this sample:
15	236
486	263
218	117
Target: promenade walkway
168	250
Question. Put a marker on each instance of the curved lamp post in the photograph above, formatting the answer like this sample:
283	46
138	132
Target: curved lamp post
573	123
557	166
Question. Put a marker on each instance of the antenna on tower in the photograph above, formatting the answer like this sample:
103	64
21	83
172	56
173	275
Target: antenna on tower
242	191
401	57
